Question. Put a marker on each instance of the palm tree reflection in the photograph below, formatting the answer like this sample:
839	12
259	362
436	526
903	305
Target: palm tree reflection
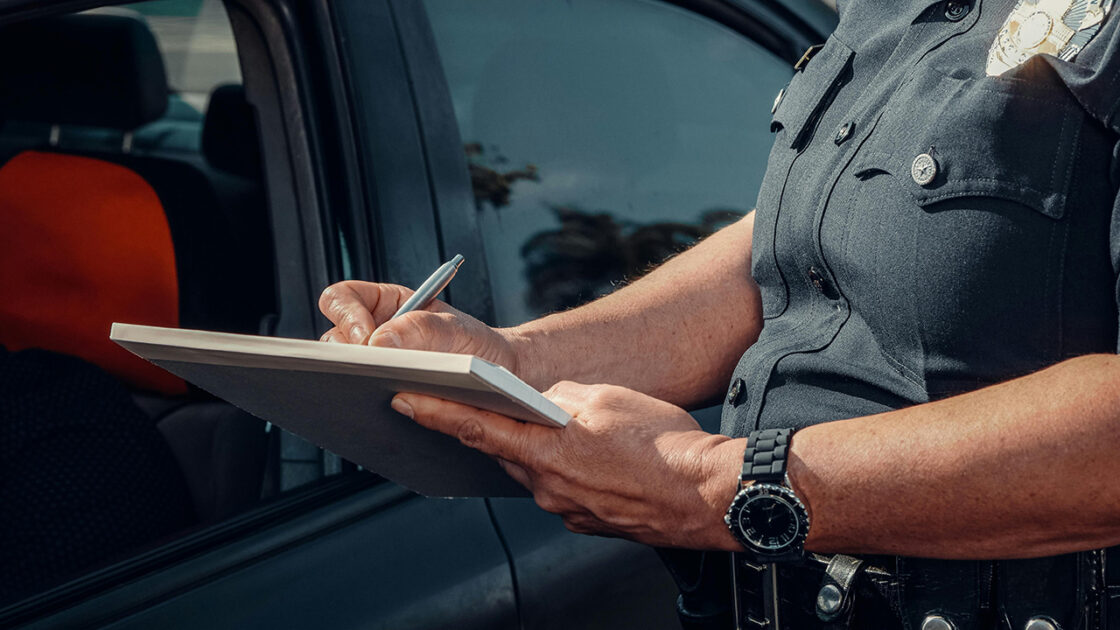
593	253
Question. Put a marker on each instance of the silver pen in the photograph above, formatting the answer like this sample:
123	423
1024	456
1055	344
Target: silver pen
431	287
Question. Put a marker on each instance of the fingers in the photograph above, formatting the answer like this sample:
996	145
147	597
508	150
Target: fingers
520	443
357	308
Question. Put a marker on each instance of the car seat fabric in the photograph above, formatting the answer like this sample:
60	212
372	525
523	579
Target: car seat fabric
84	242
229	135
231	148
84	476
89	69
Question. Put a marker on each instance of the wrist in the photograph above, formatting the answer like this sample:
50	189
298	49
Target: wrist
522	360
722	465
766	517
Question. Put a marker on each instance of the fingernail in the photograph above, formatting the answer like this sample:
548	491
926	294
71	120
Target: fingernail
401	407
358	334
385	339
330	339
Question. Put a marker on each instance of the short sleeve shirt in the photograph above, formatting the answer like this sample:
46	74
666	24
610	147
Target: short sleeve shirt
925	229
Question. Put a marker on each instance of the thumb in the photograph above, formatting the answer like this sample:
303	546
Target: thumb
385	337
418	330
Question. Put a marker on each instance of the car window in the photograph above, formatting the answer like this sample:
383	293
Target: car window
107	459
601	137
197	45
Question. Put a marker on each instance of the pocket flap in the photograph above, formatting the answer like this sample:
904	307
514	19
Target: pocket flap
1033	186
973	131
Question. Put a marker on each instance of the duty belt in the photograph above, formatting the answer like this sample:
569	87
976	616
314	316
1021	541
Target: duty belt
1071	592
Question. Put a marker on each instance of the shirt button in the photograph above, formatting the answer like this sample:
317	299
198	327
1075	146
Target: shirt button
844	132
956	10
937	622
1041	623
735	393
821	283
924	169
777	101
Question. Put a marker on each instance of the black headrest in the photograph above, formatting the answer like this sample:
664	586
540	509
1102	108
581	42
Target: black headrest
229	133
88	69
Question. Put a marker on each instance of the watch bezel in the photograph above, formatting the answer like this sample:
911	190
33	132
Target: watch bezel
743	499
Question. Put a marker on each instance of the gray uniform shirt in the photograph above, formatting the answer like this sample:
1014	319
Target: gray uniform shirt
881	292
885	285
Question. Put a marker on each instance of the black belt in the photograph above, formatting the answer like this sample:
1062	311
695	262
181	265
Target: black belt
1076	591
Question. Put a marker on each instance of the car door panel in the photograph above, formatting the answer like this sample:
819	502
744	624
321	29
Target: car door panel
414	564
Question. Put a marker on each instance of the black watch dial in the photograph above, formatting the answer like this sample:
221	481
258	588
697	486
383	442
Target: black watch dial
769	522
769	519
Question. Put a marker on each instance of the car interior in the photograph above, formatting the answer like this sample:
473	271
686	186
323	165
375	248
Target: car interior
119	201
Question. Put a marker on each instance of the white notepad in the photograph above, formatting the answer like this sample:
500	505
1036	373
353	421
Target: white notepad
337	396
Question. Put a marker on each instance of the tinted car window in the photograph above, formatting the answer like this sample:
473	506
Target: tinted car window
601	137
102	462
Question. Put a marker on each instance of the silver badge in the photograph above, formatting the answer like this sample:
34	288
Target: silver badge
1046	27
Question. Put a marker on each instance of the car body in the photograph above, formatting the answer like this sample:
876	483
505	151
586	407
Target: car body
367	177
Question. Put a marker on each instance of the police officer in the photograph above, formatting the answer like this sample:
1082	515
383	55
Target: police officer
922	430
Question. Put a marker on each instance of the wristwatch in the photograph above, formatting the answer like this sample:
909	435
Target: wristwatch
766	517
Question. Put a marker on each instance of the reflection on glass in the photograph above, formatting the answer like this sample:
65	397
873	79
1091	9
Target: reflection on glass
599	133
491	185
593	253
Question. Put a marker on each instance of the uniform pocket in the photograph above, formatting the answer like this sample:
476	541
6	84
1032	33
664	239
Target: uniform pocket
988	137
957	216
798	111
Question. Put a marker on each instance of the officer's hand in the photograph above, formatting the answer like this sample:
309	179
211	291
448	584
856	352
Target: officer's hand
357	309
626	465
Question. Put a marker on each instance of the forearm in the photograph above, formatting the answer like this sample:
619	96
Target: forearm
1023	469
675	334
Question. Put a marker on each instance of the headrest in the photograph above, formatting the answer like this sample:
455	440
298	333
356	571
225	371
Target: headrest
84	243
229	133
88	69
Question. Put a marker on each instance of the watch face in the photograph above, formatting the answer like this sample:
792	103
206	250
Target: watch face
768	520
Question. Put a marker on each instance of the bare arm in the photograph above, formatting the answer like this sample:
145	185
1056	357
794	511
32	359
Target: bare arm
1023	469
674	334
1026	468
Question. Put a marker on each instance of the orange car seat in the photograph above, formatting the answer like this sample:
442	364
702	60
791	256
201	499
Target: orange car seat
84	242
90	237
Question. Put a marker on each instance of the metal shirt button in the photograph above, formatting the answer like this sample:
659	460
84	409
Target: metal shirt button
956	10
1042	623
844	132
778	101
829	599
937	622
735	393
924	169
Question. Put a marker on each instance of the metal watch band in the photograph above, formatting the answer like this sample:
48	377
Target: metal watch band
765	457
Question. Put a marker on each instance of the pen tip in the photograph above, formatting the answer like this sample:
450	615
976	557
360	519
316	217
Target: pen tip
457	260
